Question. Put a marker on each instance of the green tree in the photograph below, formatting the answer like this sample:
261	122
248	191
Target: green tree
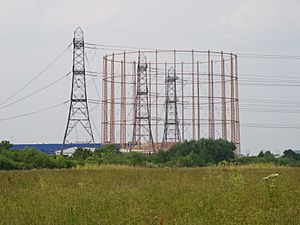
261	154
82	154
5	146
291	154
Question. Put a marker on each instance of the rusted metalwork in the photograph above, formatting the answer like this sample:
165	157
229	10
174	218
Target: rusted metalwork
125	99
213	132
105	103
237	112
207	96
193	97
112	103
156	98
198	101
223	98
232	99
182	99
123	112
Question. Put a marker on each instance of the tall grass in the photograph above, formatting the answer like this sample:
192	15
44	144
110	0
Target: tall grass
125	195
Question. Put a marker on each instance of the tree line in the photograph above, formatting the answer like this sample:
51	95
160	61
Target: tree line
204	152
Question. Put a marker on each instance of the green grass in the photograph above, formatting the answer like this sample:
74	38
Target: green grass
123	195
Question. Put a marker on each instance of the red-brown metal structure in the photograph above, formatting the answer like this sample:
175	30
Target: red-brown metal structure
207	93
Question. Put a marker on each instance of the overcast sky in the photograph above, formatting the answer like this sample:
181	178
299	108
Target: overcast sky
34	32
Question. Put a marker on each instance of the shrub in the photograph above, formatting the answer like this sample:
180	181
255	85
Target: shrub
62	162
82	154
6	164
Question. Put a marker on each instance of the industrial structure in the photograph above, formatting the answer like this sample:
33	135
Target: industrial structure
78	129
153	99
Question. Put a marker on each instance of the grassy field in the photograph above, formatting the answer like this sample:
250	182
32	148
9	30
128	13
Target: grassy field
122	195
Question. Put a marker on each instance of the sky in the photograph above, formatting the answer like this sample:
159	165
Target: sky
35	32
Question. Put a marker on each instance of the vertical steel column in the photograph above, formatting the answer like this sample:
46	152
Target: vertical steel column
177	132
166	76
104	101
134	92
150	92
209	96
102	106
112	101
237	139
182	99
166	92
156	100
122	112
125	99
232	101
193	97
198	98
223	98
212	101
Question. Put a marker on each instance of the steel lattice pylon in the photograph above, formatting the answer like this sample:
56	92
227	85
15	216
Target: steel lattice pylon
78	111
171	126
142	123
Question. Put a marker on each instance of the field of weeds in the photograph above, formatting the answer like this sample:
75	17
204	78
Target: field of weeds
123	195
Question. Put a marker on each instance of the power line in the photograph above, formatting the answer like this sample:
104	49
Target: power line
35	92
270	126
241	55
37	76
270	56
268	84
195	36
115	47
34	112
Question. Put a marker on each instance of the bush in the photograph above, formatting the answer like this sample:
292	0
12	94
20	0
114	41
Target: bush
36	159
81	154
6	164
136	159
62	162
197	153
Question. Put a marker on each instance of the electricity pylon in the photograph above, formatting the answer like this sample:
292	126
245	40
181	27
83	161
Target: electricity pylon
78	112
171	126
142	134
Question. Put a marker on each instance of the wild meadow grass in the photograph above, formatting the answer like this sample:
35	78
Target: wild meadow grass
124	195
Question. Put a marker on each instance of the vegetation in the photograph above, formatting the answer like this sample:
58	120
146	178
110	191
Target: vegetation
104	188
29	158
114	194
187	154
289	158
205	152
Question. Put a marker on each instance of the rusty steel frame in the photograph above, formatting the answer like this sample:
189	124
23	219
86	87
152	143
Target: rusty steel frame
123	103
232	100
193	97
208	102
213	132
198	101
105	103
223	98
237	107
182	99
209	96
112	104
